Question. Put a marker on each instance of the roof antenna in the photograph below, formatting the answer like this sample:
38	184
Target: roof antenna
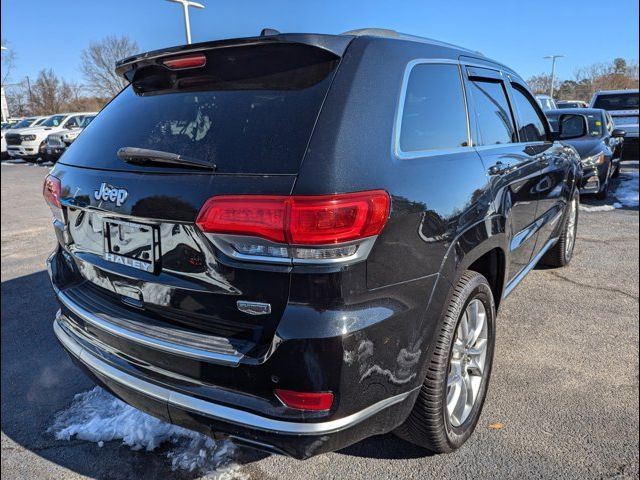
269	31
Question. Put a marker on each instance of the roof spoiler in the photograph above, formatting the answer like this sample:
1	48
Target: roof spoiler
335	44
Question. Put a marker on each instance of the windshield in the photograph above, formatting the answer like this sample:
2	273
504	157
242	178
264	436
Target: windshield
252	112
569	105
53	121
595	122
617	101
24	123
84	121
546	103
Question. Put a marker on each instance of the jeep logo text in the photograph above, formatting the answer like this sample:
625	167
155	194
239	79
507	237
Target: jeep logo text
107	193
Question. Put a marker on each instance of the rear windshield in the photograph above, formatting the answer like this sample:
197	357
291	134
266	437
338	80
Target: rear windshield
251	109
617	101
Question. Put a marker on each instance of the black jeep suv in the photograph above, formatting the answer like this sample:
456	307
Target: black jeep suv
301	240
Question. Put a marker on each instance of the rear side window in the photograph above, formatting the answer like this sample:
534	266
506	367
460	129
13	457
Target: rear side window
434	115
531	125
251	109
492	112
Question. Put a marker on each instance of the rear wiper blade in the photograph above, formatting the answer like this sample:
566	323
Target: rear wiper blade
145	155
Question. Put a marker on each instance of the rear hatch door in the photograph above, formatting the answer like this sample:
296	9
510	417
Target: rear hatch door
247	114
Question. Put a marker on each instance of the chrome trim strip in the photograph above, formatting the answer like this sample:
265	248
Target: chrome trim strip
151	342
224	243
212	410
523	273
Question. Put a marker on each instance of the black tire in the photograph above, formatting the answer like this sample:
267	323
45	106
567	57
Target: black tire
559	255
428	424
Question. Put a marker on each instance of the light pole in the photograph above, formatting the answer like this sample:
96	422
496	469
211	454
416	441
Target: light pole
185	9
3	99
553	70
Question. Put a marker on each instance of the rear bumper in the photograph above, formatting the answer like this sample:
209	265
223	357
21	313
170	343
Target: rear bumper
297	439
233	395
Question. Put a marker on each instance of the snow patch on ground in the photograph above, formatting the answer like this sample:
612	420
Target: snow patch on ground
600	208
626	194
627	191
97	416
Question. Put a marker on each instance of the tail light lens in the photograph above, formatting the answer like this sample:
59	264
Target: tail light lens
308	228
305	400
51	191
298	220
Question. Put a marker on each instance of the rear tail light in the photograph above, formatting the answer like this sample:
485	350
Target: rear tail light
307	228
188	61
305	400
51	191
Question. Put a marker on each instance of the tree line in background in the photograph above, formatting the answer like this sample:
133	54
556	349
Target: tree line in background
48	93
620	74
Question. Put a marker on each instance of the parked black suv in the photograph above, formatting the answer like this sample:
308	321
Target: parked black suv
302	240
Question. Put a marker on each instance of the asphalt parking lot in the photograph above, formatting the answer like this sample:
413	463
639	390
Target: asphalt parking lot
563	400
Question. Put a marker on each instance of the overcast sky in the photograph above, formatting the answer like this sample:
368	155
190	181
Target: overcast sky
51	34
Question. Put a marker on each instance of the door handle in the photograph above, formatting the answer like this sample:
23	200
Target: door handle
499	168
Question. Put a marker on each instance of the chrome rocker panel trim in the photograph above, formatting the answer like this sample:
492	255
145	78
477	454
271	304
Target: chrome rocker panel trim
212	410
523	273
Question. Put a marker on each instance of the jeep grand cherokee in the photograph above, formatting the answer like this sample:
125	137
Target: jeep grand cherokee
301	240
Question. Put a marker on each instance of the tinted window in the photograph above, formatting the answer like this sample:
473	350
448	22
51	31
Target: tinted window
531	125
251	110
617	101
434	115
492	112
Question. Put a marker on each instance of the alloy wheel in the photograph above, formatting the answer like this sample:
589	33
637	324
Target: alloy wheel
571	228
467	363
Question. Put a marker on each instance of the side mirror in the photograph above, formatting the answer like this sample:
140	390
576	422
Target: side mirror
571	125
618	133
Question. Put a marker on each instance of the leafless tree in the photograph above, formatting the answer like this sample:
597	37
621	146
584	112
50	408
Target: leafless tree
98	64
50	94
8	62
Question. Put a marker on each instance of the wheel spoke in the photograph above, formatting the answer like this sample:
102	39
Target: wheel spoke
463	329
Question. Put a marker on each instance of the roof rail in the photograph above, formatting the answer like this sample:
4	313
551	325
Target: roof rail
388	33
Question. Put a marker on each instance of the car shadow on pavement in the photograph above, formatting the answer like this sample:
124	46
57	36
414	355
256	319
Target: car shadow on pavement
39	380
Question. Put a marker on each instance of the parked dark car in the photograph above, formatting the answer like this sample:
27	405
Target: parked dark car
302	240
600	150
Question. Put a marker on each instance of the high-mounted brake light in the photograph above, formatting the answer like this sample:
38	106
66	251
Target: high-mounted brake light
189	61
298	220
305	400
51	191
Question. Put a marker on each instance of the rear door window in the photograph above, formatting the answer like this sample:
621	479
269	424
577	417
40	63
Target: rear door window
434	114
493	114
251	109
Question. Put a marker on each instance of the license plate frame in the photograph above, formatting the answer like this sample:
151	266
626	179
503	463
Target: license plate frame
132	244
